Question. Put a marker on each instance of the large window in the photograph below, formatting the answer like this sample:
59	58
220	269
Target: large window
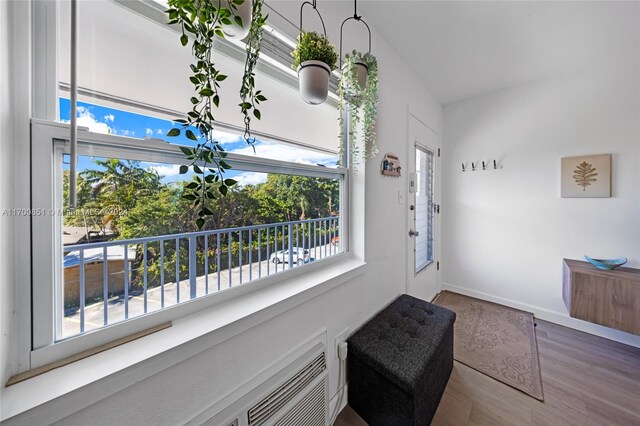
130	255
132	245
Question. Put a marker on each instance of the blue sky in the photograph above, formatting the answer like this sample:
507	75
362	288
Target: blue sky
101	119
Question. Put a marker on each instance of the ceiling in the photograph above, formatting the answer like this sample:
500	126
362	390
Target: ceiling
462	49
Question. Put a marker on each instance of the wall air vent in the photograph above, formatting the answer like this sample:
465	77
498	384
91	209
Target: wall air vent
310	411
310	407
291	391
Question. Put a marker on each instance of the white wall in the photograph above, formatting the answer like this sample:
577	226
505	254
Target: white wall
178	393
506	232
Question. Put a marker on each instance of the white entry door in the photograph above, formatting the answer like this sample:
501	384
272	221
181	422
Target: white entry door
422	235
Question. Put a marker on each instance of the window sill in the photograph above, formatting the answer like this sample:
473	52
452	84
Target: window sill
132	362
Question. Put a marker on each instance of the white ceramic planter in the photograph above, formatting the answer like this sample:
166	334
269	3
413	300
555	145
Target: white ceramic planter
363	73
234	31
313	80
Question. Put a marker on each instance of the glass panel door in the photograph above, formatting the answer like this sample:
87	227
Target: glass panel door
423	213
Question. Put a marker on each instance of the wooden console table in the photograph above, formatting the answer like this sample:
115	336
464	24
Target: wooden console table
609	298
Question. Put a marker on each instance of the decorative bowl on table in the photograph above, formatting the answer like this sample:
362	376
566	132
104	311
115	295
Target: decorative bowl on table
606	263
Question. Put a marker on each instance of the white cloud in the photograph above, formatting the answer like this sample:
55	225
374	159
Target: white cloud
87	119
159	131
250	178
109	117
166	170
224	138
148	132
286	153
128	133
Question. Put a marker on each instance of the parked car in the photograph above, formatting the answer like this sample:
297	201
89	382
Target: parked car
299	254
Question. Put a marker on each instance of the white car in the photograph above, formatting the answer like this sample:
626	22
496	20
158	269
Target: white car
300	256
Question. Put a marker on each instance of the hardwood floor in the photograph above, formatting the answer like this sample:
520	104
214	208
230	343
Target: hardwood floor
586	380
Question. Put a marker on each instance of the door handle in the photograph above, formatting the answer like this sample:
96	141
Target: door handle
413	233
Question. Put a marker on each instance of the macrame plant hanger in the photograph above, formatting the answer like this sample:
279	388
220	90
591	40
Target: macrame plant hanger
357	18
313	4
358	97
313	76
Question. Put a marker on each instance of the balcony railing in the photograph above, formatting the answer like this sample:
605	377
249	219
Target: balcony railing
108	282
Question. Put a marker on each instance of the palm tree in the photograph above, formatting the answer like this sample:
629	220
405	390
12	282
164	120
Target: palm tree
117	174
116	185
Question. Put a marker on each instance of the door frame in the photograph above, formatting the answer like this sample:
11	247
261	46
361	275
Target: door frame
430	273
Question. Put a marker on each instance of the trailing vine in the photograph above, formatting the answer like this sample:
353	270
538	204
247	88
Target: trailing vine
250	98
362	105
202	21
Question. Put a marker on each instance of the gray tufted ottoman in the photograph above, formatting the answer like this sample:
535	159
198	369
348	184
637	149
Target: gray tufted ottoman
399	363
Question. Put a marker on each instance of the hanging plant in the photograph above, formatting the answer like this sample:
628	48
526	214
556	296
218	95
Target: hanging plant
203	21
251	98
236	29
358	93
314	58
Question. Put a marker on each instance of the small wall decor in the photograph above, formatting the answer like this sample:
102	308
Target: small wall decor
586	176
390	165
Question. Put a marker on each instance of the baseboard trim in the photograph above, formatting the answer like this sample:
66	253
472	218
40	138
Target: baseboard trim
560	318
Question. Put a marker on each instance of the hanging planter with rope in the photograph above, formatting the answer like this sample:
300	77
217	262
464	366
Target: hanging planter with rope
359	61
314	58
358	93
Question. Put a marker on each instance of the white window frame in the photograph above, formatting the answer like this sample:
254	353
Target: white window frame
49	138
49	142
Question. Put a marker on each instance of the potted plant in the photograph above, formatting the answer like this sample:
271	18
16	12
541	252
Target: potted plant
201	22
314	58
361	73
358	93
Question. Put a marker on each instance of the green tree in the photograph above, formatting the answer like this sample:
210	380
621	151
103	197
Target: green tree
287	198
108	191
156	214
82	215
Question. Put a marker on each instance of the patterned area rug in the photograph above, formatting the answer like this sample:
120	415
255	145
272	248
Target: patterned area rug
495	340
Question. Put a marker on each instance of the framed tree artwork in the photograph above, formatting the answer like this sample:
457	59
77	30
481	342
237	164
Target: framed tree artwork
586	176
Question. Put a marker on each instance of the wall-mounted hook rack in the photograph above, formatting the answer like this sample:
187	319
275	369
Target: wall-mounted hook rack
486	165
